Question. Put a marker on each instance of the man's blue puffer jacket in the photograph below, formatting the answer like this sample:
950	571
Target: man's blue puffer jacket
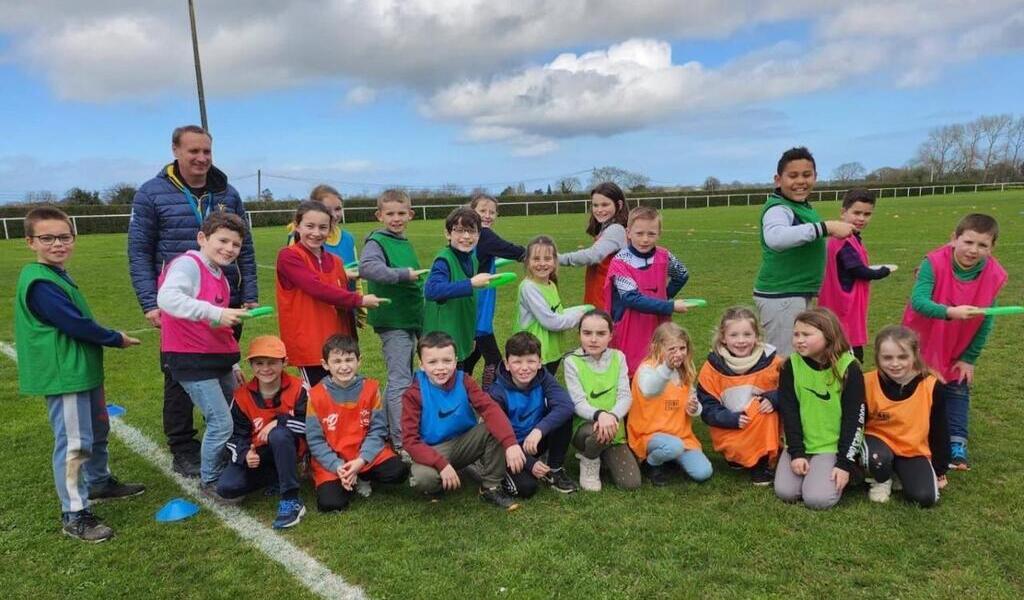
163	225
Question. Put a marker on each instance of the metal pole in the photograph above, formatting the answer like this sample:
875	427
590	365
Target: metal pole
199	71
259	184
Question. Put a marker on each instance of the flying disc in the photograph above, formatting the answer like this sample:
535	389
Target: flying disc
998	311
891	267
694	302
502	279
352	265
384	300
501	262
259	311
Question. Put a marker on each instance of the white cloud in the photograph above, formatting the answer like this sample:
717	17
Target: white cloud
360	95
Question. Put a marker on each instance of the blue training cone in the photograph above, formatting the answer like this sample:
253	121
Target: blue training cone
114	410
176	510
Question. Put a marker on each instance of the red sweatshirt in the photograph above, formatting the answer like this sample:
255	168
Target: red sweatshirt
412	404
292	272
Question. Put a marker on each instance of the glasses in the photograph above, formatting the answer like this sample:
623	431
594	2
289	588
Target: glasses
463	231
48	240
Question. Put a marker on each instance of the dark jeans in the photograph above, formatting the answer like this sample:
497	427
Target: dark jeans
332	496
916	473
552	367
278	459
958	403
486	347
556	443
858	353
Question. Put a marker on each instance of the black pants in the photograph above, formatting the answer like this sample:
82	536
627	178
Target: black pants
916	473
556	443
552	367
278	461
486	347
858	353
332	495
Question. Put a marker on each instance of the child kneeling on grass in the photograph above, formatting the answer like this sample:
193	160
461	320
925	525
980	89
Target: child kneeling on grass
269	414
540	411
347	429
660	422
441	432
60	356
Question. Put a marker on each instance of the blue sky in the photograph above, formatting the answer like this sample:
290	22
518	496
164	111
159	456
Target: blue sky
491	96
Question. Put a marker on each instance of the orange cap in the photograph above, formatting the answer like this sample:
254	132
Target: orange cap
269	346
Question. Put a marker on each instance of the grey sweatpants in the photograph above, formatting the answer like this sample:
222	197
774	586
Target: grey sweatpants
777	316
460	452
816	488
398	347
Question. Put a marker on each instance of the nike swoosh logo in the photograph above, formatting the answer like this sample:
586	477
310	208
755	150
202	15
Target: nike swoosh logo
556	307
595	394
826	396
444	415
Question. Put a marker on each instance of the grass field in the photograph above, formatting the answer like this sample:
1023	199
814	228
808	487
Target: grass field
723	538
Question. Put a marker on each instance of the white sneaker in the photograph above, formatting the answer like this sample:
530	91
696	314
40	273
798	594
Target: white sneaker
880	492
363	488
897	485
590	473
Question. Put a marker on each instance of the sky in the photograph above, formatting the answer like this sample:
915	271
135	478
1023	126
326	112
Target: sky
367	94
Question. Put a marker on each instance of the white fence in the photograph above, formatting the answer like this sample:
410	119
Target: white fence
662	202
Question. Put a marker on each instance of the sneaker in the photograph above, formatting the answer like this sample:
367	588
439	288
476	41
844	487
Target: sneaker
880	492
406	458
289	513
897	485
115	490
761	475
735	466
958	457
472	472
499	498
657	475
85	526
363	488
185	466
210	491
590	473
560	481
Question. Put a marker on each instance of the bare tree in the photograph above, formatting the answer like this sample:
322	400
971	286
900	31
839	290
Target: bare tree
968	138
568	185
993	128
712	184
851	171
627	179
939	150
451	190
41	197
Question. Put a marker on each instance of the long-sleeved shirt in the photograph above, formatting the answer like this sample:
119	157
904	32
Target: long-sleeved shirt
921	301
627	294
558	407
851	419
850	268
242	430
491	246
486	409
292	272
582	406
938	425
372	444
782	231
533	305
178	294
373	263
611	239
652	381
440	287
51	305
717	414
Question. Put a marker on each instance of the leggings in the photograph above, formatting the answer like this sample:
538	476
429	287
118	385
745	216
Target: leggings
486	347
915	472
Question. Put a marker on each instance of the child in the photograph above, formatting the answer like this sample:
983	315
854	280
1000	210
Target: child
821	400
737	388
391	270
346	429
60	356
641	279
540	307
540	412
659	424
845	289
449	423
269	414
313	300
450	290
595	376
490	246
339	242
905	433
953	282
792	248
607	226
196	341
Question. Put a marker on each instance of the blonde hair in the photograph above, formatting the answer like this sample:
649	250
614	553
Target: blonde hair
735	313
825	321
323	190
393	196
906	339
643	213
665	333
542	241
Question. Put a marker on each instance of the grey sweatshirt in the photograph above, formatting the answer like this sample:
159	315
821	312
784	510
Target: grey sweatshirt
372	444
373	264
532	305
610	241
623	396
781	234
652	381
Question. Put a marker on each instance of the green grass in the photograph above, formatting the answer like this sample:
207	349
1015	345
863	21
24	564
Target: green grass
720	539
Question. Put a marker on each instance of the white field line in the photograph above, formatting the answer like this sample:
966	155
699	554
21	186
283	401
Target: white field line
268	267
311	573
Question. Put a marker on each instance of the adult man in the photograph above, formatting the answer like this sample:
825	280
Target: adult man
166	214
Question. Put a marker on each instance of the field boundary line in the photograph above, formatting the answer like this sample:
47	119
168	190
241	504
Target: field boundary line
310	572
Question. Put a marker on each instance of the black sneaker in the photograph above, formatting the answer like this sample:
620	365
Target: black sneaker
210	491
735	466
761	475
499	498
115	490
185	466
560	481
85	526
657	475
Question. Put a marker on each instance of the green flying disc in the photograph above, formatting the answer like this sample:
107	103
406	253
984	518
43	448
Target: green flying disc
998	311
502	279
384	300
259	311
501	262
352	265
692	302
